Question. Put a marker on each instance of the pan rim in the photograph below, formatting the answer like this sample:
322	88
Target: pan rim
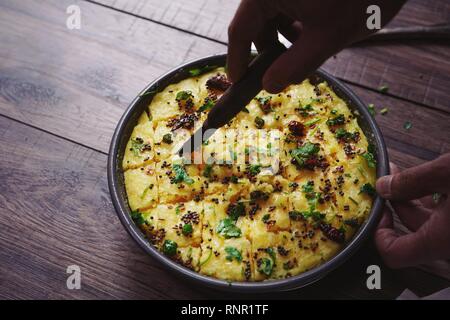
303	279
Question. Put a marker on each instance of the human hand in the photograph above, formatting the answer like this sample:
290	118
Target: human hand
317	29
410	194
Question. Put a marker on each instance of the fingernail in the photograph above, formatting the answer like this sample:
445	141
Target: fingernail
384	186
273	87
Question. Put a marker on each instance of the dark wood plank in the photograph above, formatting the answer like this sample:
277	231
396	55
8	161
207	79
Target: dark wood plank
76	84
415	71
55	211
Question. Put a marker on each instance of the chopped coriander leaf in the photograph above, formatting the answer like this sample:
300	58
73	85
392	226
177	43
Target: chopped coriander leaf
170	247
305	110
198	71
207	171
384	111
304	152
234	179
187	229
263	100
138	146
228	229
383	88
265	265
181	175
266	217
407	125
208	104
369	155
272	254
254	169
236	210
334	111
311	122
167	138
233	253
137	217
368	189
308	187
371	108
178	209
336	121
259	122
184	95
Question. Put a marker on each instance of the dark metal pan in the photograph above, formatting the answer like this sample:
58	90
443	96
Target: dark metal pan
119	197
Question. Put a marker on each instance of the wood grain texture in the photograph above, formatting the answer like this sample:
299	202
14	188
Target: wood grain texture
413	70
55	212
55	208
76	84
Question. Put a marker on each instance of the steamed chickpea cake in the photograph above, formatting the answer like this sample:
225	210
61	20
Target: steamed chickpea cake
231	220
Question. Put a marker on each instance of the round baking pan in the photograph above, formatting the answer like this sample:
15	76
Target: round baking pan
119	197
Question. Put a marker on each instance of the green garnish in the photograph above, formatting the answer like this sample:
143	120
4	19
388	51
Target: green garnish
236	210
208	104
234	179
266	217
368	189
336	121
187	229
311	122
254	169
259	122
207	171
272	254
184	95
170	247
369	155
198	71
233	253
407	125
334	111
304	153
228	229
384	111
167	138
178	209
265	265
371	108
181	175
304	111
137	217
308	187
138	146
383	89
146	190
343	134
207	258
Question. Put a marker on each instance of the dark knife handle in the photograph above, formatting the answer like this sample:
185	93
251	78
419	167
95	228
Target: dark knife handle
244	90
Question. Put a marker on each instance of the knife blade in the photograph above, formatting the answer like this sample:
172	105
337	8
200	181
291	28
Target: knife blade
238	95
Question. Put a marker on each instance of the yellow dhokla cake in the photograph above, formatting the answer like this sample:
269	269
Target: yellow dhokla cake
278	191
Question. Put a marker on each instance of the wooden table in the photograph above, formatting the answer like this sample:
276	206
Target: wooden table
62	92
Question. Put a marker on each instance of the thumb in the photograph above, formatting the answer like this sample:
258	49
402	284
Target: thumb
416	182
305	55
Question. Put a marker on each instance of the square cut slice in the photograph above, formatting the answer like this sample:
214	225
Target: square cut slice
224	257
140	148
181	223
142	187
177	182
271	253
164	105
189	257
163	149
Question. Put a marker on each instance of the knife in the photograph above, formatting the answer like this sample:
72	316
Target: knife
235	98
